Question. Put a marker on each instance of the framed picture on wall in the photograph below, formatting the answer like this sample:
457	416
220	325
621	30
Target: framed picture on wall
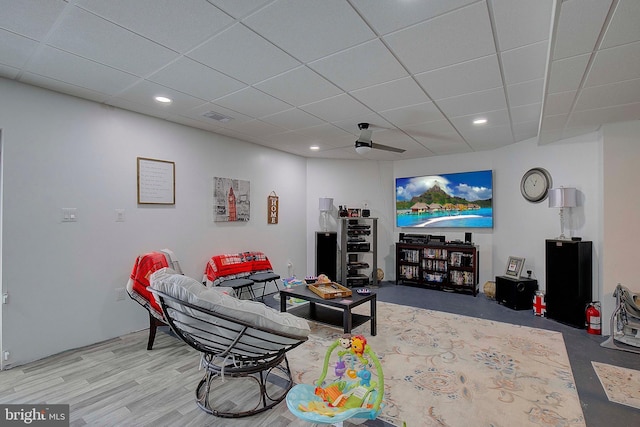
156	182
514	267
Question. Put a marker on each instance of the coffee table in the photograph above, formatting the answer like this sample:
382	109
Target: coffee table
324	310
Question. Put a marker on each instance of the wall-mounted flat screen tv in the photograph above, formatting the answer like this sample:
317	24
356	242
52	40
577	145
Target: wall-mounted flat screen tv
453	200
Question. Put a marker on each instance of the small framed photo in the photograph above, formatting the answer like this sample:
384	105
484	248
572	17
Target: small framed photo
514	267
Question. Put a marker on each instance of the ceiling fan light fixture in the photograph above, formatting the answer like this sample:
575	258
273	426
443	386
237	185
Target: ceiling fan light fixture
362	147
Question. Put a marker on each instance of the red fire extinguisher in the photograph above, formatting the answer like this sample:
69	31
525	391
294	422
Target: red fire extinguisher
592	314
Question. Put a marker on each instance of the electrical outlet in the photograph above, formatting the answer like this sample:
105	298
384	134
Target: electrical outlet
6	355
121	294
119	215
5	298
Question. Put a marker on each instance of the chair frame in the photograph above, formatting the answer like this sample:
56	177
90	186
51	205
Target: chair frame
234	354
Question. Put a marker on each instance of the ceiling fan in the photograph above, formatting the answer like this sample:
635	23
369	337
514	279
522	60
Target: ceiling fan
364	143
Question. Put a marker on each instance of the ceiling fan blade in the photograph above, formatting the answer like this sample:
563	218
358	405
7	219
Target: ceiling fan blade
387	148
365	135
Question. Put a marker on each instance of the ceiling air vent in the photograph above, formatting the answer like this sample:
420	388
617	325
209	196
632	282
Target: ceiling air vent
217	116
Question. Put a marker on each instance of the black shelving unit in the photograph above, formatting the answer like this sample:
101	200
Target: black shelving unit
446	266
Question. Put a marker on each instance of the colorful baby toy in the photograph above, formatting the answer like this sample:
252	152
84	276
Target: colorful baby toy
358	394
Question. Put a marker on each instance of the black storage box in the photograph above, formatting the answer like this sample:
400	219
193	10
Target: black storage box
516	293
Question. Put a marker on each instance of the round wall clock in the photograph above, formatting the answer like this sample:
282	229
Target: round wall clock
535	184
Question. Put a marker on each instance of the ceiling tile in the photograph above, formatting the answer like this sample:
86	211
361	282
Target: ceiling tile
395	94
283	139
239	9
293	119
81	72
474	103
241	53
8	72
615	64
406	116
526	113
325	132
336	108
551	123
444	144
526	130
559	103
178	25
623	27
252	102
626	92
321	28
435	130
299	86
613	114
15	50
147	109
521	22
322	67
525	63
579	27
197	113
566	74
188	121
458	36
62	87
257	128
87	35
388	16
373	56
351	125
206	82
144	91
31	18
525	93
489	138
464	124
470	76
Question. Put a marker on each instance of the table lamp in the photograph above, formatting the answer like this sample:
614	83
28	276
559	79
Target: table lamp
325	206
562	198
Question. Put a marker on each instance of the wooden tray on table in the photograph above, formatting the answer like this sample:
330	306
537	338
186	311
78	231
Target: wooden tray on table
329	290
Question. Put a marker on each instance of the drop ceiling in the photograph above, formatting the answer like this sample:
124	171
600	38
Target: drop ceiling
289	74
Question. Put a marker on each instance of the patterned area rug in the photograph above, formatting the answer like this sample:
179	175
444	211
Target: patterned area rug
621	385
443	369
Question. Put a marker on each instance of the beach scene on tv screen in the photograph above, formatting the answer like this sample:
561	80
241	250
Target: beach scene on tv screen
447	200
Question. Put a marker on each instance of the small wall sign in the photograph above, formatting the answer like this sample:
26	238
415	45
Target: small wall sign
272	208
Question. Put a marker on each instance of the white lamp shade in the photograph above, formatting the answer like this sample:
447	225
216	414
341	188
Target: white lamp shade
363	149
325	204
562	197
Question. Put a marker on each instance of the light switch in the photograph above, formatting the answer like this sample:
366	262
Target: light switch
69	214
119	215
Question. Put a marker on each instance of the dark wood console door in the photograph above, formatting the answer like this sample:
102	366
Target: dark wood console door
568	280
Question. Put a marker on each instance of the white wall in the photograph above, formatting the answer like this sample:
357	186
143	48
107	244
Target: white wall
621	205
59	151
352	183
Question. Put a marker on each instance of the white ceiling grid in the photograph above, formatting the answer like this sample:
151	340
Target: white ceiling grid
292	73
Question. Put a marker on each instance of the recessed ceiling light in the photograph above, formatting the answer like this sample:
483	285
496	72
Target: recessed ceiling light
163	99
480	121
314	148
